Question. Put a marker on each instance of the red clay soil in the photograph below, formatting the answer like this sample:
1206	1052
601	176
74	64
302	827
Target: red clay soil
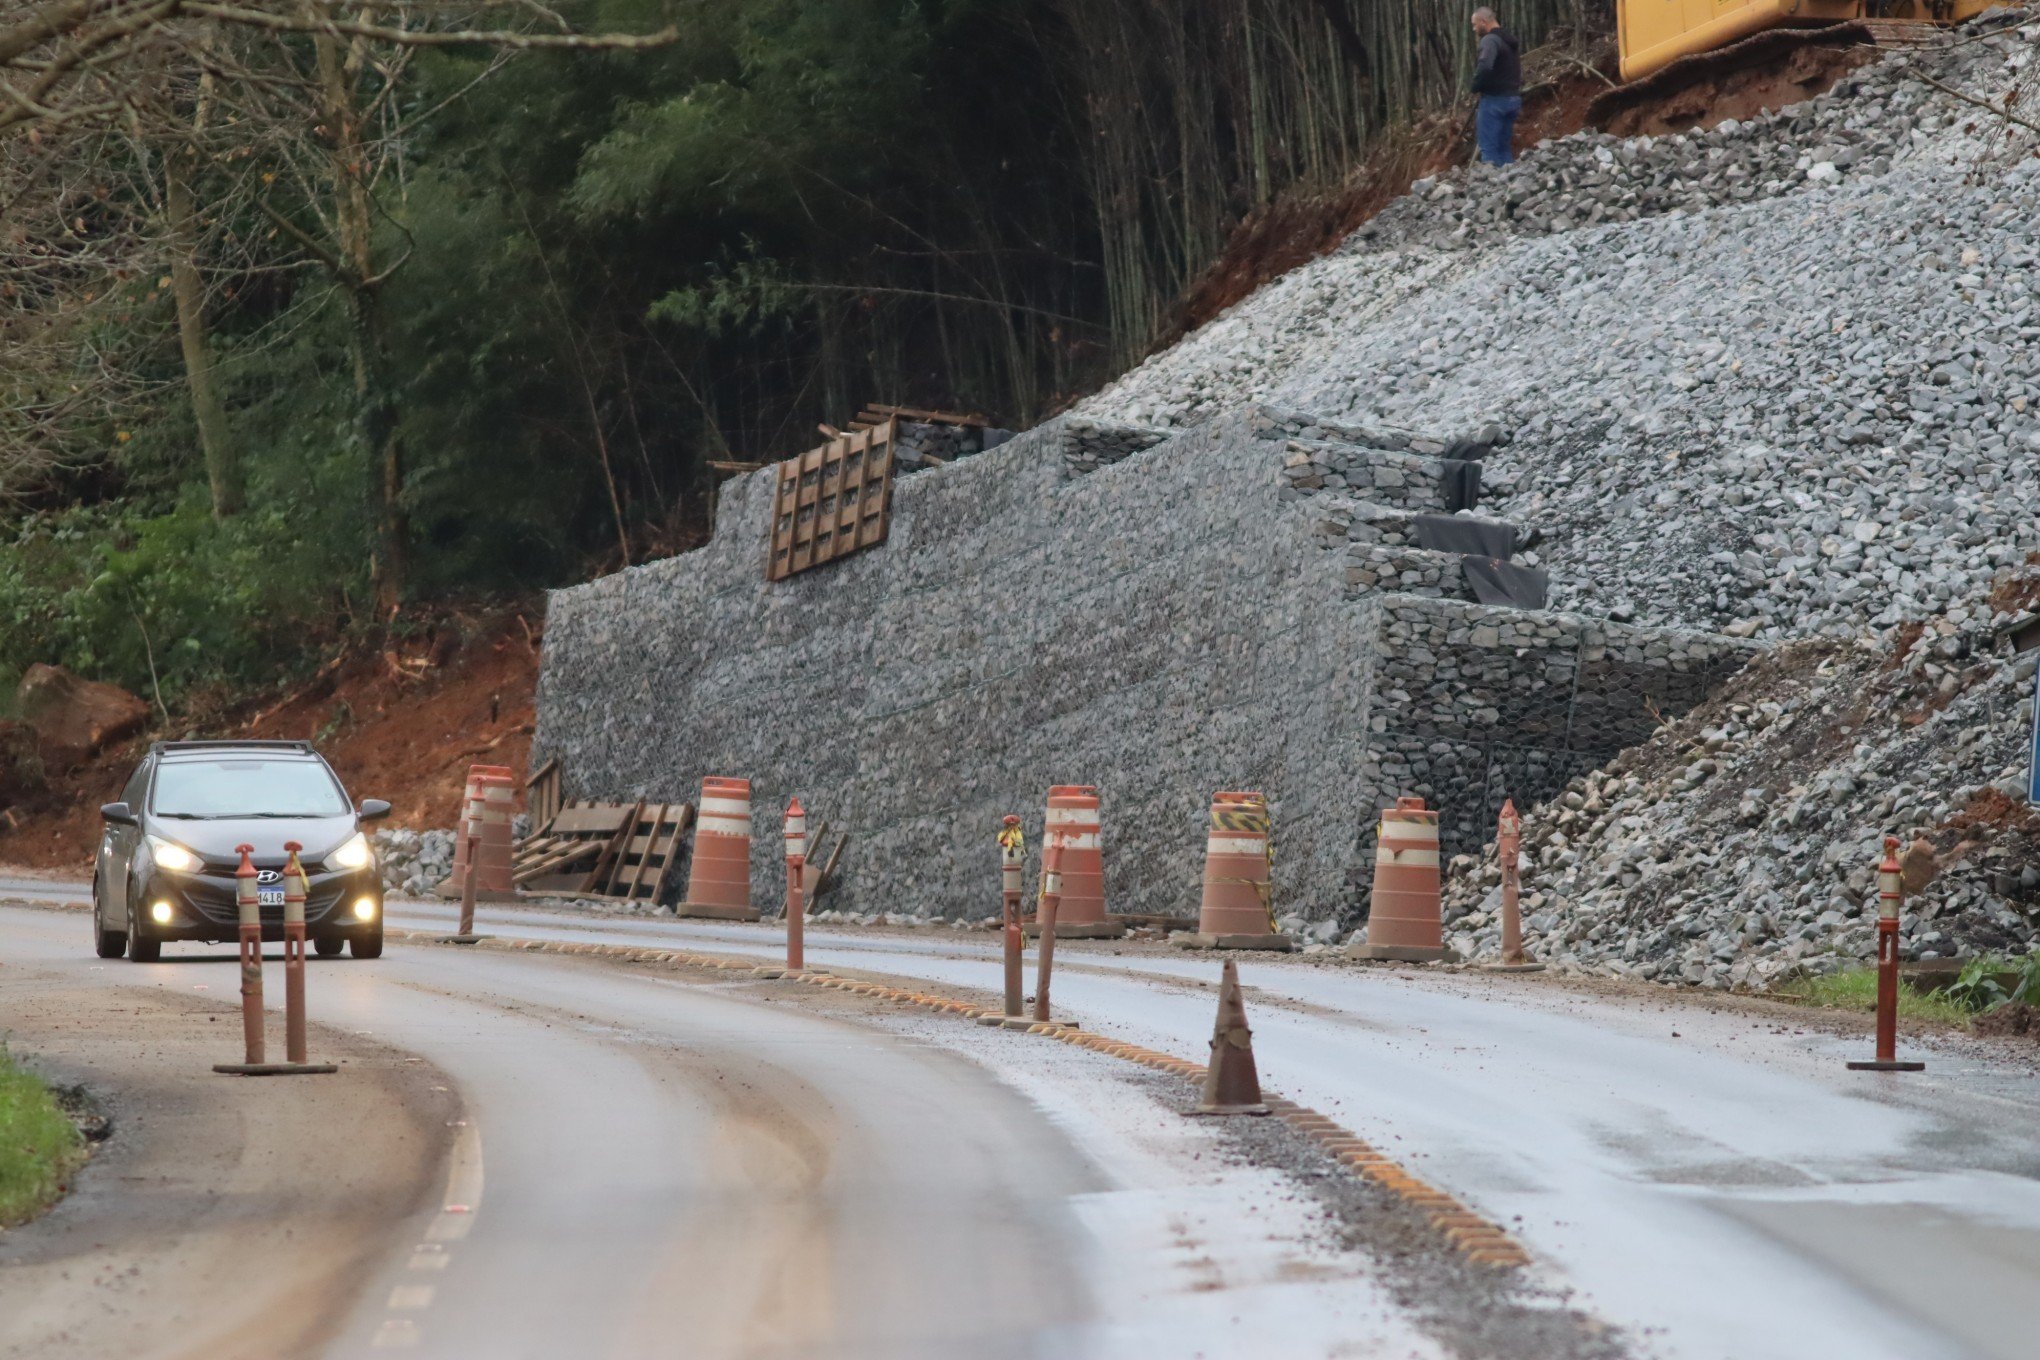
402	724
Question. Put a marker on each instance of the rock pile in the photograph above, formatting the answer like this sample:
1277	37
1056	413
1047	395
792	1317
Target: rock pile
413	862
1776	379
1739	845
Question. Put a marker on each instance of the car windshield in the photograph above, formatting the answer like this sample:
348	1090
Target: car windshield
246	788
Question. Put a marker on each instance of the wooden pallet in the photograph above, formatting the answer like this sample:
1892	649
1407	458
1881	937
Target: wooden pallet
618	851
542	795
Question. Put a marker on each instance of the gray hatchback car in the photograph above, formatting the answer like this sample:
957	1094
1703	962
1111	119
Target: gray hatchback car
167	858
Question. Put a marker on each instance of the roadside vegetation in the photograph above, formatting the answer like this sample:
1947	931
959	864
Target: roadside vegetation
39	1146
1985	984
310	326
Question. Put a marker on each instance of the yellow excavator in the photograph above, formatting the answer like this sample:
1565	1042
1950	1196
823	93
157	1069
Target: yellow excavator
1667	44
1656	33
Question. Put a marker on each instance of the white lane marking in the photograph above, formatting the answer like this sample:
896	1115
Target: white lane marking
396	1334
411	1296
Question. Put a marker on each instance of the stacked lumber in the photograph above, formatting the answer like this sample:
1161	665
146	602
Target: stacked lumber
621	852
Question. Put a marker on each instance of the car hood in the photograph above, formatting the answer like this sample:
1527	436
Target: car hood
214	839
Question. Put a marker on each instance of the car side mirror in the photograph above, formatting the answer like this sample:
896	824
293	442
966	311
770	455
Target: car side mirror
374	809
119	813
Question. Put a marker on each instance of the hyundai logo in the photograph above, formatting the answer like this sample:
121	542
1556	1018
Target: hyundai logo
269	876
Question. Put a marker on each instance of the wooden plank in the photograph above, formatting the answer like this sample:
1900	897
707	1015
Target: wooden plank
558	861
641	846
600	873
683	820
915	413
595	819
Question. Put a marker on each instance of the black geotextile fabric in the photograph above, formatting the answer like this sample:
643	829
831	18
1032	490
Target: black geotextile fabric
1462	484
1505	583
1473	537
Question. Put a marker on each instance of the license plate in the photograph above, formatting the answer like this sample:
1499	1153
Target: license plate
269	897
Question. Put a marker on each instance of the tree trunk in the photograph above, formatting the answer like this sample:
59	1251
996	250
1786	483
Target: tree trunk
375	413
222	456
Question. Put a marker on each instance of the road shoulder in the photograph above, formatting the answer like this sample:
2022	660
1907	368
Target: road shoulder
225	1217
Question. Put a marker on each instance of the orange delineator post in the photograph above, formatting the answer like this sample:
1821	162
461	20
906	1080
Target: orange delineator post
719	872
296	888
1073	818
1890	896
247	908
796	905
1238	907
1051	903
1405	922
1508	852
1012	870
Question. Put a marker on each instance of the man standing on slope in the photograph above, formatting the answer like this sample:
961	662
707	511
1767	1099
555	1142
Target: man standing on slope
1498	80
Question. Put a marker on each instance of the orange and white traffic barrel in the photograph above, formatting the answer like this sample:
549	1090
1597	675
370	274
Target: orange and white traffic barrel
491	790
719	873
1073	817
1406	920
1238	908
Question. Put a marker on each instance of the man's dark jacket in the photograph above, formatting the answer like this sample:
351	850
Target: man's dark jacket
1500	68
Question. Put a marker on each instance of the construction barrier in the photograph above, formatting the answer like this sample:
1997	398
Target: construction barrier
1508	853
1238	907
1405	922
719	873
796	881
296	888
1890	899
1231	1083
1012	872
1073	816
487	806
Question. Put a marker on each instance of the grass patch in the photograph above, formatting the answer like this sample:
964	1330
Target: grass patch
1856	990
39	1146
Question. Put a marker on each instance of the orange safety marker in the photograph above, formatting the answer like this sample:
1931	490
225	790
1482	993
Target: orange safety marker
1405	922
1238	909
296	888
1890	895
1073	816
487	804
1012	869
719	872
1508	849
796	905
1051	903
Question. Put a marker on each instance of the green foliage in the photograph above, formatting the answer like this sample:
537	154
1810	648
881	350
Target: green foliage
39	1146
1855	989
1976	988
2026	982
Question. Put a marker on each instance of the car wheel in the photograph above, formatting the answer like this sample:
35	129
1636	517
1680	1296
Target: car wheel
328	946
367	946
142	950
108	944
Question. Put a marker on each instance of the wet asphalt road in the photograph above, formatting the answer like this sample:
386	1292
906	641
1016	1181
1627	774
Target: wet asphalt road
652	1166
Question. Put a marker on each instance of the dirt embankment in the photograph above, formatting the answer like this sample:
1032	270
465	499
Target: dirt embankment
1559	94
402	723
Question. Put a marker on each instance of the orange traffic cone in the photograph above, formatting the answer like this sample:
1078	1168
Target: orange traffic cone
1237	911
1073	814
719	874
1406	921
1231	1085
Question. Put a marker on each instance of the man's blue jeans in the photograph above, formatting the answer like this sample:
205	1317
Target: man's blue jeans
1495	127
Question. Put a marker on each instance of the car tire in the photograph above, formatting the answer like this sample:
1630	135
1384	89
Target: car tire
328	946
108	944
367	946
143	950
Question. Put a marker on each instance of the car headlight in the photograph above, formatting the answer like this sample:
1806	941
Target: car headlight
172	856
354	854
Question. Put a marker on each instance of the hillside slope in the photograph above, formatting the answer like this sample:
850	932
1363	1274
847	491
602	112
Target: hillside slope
1775	378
